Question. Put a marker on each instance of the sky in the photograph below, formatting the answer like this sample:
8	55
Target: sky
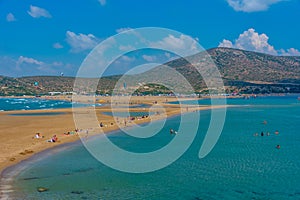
39	37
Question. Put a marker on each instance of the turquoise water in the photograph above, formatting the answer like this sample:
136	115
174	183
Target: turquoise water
240	166
259	100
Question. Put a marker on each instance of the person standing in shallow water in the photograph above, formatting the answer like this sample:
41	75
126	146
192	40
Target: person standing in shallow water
262	133
171	131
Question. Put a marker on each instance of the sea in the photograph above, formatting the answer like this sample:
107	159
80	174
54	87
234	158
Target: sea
242	165
11	104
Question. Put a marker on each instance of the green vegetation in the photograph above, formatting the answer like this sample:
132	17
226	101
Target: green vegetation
242	71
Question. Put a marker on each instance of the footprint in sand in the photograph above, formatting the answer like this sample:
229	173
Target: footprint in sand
26	152
12	159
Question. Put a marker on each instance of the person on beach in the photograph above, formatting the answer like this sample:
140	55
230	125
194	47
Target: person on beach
101	124
38	135
53	139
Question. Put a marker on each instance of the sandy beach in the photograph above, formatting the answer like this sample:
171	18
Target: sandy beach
17	132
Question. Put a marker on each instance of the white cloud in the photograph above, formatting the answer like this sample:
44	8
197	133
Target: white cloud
252	41
149	58
102	2
290	52
10	17
127	58
81	42
57	45
126	48
183	44
27	66
226	43
24	60
123	29
37	12
168	55
251	5
57	64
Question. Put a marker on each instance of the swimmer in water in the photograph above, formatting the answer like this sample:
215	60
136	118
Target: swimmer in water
173	132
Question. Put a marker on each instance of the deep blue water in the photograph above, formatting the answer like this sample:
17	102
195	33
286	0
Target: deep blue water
7	104
241	166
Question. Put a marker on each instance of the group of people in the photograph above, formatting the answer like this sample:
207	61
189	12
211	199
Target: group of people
268	134
54	138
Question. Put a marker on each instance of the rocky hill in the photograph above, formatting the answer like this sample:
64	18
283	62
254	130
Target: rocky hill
242	71
247	72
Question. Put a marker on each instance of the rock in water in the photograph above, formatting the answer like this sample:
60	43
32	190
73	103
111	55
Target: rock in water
42	189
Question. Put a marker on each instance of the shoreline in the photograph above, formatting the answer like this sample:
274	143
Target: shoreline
17	131
8	174
78	139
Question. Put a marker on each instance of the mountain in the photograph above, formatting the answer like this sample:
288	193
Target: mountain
242	71
250	66
246	71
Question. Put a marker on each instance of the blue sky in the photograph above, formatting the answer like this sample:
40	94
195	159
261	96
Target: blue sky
41	37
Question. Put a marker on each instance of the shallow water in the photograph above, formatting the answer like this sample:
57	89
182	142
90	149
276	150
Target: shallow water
240	166
38	114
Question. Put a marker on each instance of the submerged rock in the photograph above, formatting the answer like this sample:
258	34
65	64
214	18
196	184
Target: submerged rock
77	192
42	189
